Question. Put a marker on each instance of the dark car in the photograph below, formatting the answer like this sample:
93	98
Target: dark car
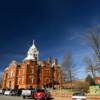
41	94
18	92
3	91
13	92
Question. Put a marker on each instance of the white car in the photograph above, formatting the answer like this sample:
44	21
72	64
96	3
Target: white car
7	92
0	91
26	93
78	96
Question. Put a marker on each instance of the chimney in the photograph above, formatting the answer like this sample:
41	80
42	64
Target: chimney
49	60
56	61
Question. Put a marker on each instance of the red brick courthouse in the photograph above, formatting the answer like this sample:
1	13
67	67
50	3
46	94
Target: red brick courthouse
32	72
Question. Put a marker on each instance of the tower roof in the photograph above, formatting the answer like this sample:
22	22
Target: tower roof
32	52
33	45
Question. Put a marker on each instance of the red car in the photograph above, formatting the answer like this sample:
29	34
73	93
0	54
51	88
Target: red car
41	94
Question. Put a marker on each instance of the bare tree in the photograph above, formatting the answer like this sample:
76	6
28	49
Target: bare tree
93	37
0	84
1	79
68	67
90	67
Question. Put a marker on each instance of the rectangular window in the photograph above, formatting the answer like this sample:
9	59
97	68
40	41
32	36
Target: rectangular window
13	74
31	79
32	71
23	72
19	81
23	79
19	72
8	76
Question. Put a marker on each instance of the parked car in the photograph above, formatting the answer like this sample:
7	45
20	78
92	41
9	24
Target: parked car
41	94
18	92
1	91
79	96
7	92
13	92
28	93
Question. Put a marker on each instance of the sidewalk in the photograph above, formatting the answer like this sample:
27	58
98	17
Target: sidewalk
61	98
88	98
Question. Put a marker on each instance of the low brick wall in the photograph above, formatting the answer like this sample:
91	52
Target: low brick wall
61	94
66	94
93	97
69	96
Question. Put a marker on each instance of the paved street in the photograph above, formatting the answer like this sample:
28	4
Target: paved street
20	98
56	98
11	98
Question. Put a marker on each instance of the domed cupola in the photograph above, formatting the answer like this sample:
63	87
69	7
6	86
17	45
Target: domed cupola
33	53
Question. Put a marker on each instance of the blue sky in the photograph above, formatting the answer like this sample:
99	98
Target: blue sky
57	26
